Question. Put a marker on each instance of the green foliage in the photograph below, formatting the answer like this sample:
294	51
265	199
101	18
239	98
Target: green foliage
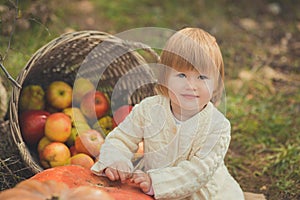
19	45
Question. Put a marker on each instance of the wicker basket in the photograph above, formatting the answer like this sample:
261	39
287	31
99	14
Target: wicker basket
99	56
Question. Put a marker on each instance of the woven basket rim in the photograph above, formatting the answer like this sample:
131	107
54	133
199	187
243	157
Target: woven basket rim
14	100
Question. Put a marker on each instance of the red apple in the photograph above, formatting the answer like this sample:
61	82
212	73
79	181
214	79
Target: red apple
120	114
58	127
94	105
32	124
59	94
89	142
41	145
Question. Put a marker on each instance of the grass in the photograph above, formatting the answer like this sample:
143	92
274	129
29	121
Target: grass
265	132
131	14
264	112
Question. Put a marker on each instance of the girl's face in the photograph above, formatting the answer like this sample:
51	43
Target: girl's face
189	91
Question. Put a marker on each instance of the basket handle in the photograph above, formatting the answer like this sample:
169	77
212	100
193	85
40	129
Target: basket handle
9	76
144	47
125	42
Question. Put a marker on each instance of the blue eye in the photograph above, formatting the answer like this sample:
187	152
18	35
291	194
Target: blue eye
181	75
202	77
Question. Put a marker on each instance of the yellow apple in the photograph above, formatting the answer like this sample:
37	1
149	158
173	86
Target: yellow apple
75	114
79	123
55	154
104	125
32	97
80	88
41	145
58	127
59	94
75	131
71	139
83	160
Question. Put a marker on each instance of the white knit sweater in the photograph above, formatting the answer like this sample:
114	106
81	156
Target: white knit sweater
184	161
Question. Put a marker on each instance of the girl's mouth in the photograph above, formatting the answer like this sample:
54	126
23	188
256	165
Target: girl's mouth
190	96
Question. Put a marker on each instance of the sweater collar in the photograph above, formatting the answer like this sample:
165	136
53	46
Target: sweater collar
202	116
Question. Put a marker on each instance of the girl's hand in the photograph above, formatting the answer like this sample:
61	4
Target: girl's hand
142	179
118	171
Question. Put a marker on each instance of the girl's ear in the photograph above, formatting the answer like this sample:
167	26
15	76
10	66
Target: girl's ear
218	91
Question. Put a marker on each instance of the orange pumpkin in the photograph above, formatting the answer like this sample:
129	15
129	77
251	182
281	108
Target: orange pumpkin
75	176
52	190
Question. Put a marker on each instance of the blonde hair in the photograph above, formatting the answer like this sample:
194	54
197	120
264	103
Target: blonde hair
192	48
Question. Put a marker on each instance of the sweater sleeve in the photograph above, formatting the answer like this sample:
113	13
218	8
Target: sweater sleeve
189	176
120	143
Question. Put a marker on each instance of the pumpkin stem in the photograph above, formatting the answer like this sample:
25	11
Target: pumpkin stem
54	198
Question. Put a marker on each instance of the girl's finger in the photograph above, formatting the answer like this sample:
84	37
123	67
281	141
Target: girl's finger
116	174
145	186
112	174
122	175
138	180
109	174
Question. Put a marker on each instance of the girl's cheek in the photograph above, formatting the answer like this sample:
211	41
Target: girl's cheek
210	86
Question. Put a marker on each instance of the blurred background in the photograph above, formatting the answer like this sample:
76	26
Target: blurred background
260	42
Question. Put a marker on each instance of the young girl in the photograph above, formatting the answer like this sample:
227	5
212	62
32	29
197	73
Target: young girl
185	137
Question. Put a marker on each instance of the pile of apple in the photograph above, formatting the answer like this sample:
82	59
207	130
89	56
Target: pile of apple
67	124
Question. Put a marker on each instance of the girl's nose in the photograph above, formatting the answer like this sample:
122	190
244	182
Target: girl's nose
192	84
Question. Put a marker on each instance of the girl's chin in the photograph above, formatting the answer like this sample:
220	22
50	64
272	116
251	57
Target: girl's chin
190	106
195	108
